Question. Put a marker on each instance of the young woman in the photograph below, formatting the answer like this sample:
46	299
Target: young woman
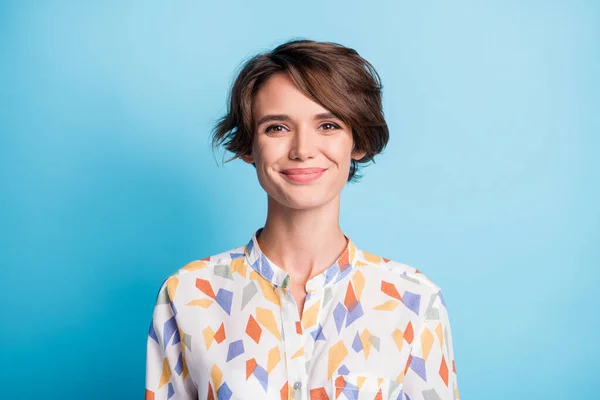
300	311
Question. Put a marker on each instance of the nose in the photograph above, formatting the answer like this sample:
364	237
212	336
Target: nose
303	144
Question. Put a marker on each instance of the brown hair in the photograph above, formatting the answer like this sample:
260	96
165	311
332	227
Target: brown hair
330	74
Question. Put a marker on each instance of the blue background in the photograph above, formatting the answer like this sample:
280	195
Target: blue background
489	184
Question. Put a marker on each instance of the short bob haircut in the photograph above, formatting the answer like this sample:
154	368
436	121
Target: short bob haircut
332	75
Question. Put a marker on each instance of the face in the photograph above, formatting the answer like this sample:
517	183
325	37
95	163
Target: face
302	152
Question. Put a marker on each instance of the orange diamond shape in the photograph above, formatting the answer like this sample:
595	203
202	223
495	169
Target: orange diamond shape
283	393
379	395
444	371
318	394
220	334
389	289
253	329
409	334
250	366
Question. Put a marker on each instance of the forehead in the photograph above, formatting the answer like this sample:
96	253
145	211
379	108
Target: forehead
279	94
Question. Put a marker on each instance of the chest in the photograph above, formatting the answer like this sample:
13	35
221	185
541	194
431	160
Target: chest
299	295
290	344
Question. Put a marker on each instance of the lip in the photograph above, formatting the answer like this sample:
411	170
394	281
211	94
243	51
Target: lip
303	175
302	171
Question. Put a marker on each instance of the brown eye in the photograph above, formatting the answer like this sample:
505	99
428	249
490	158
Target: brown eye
332	125
270	128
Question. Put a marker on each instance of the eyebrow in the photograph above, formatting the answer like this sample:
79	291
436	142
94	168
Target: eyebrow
283	117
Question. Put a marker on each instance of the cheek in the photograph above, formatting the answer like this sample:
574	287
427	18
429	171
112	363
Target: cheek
340	151
268	152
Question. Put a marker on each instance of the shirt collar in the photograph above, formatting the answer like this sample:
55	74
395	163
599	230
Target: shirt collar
277	276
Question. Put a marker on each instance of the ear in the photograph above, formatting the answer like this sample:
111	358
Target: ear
249	158
357	155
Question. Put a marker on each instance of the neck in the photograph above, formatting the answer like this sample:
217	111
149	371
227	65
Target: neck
302	242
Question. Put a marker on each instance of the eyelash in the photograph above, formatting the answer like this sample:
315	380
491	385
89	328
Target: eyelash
335	126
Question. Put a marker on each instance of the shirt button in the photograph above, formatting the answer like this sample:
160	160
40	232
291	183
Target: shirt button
297	385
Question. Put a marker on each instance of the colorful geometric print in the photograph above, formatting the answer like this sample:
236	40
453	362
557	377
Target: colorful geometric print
227	327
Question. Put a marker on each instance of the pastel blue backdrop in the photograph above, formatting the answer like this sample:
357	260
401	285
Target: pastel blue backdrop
489	184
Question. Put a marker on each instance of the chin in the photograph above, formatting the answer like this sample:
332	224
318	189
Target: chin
304	201
304	206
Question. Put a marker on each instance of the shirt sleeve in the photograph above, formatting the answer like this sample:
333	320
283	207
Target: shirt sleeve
167	375
430	372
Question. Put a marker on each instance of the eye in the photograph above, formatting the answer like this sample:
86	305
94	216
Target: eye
273	126
334	126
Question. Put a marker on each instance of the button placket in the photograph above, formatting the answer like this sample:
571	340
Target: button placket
314	296
293	343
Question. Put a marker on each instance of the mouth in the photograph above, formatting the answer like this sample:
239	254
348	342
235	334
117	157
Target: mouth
303	175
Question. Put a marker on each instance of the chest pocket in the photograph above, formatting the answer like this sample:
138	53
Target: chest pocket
364	387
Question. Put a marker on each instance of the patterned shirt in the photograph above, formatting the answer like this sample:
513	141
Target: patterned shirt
227	327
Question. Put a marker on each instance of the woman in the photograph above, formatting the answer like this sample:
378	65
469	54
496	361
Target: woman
300	312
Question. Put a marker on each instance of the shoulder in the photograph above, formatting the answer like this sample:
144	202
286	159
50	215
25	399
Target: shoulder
197	273
397	273
403	282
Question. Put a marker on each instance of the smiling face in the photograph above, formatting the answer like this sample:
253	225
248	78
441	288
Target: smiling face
302	152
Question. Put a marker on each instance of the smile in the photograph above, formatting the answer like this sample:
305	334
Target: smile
303	175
